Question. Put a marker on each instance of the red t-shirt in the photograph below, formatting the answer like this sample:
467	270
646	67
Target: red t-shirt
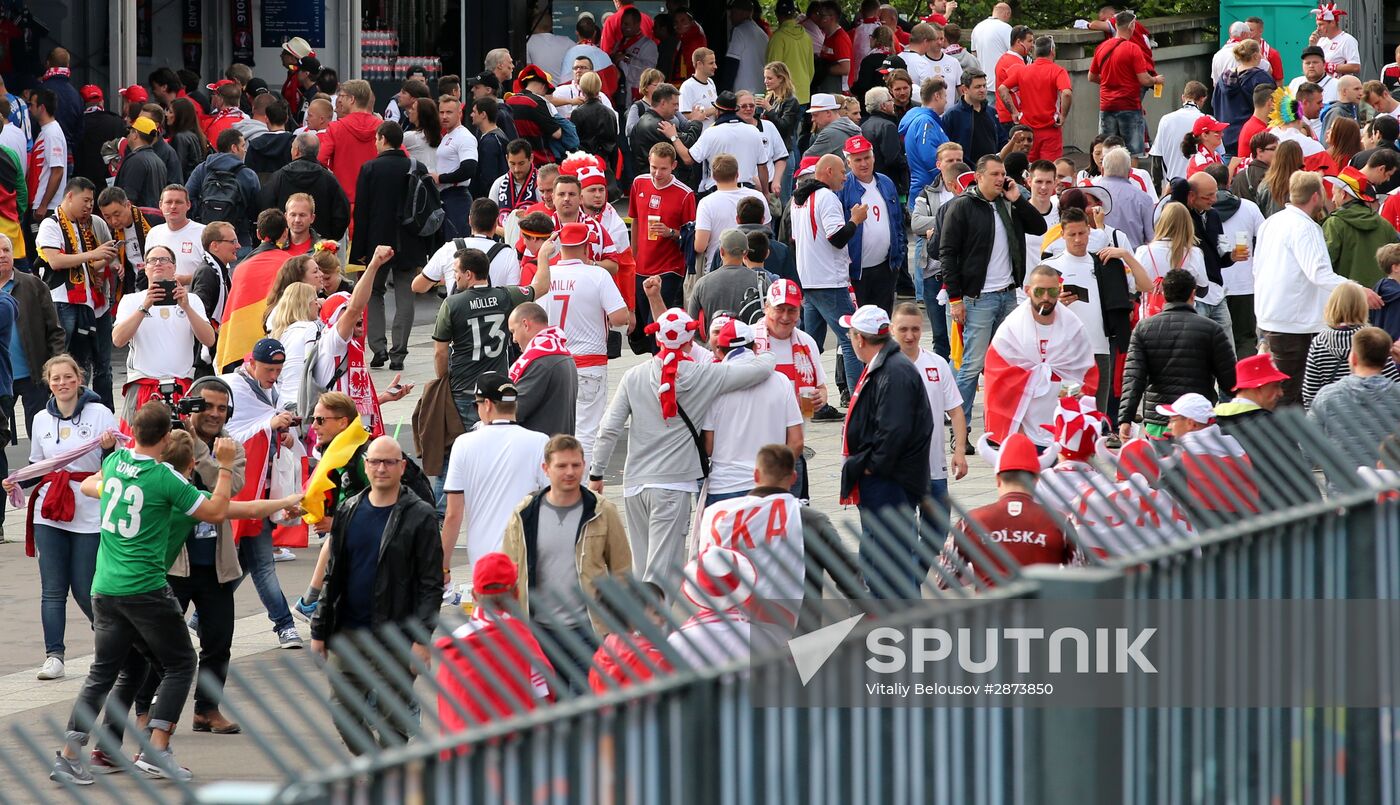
611	35
675	203
1251	127
1038	85
1118	62
1139	37
1009	62
295	249
1024	528
1390	210
837	48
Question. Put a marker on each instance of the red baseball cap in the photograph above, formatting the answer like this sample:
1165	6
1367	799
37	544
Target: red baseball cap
493	574
217	85
807	167
1255	371
134	94
857	144
91	92
575	234
1206	123
784	292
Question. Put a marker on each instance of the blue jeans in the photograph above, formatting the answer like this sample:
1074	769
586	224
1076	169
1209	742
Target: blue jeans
1131	126
916	269
933	533
457	205
937	316
823	307
984	315
100	369
716	497
889	554
67	561
255	555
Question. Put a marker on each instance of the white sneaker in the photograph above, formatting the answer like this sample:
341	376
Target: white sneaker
52	669
283	555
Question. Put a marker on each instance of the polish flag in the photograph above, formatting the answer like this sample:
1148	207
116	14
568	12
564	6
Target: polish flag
1026	364
1219	475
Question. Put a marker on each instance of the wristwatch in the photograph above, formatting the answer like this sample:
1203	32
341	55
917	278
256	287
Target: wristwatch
675	139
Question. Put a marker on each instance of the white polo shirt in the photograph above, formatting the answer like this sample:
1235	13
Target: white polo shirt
185	242
736	138
494	467
819	264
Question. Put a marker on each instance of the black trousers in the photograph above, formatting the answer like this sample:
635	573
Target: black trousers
214	603
1290	351
876	287
147	621
672	293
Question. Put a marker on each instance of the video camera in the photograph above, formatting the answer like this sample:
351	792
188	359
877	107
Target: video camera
186	405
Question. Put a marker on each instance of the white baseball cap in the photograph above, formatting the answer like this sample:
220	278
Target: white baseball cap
1192	406
823	102
868	319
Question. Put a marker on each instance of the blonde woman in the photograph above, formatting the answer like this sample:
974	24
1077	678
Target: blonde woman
1174	246
294	321
67	549
1344	314
595	121
651	77
326	253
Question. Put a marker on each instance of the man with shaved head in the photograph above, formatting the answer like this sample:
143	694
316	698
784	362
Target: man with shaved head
380	576
1350	93
823	261
991	38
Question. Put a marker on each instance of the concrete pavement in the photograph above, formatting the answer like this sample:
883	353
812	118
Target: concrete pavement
42	707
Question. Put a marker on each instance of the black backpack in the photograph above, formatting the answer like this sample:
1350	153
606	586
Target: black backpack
221	198
422	203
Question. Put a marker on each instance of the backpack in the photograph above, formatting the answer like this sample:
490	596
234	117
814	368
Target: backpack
311	389
221	198
751	308
422	203
496	248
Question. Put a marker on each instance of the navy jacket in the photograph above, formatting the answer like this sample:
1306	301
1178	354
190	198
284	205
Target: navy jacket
850	194
958	125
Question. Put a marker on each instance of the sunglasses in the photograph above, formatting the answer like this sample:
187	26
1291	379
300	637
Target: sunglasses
321	420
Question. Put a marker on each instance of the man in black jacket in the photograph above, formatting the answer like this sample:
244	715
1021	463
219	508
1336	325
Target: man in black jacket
1199	194
99	127
130	225
142	174
378	221
1176	352
665	108
982	249
304	174
888	430
385	568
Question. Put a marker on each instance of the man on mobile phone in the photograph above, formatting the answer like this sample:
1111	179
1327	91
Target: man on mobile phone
162	324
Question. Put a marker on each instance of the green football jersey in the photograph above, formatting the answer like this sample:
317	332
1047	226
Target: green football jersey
143	501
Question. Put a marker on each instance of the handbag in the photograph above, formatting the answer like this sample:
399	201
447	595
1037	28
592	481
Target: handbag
1152	301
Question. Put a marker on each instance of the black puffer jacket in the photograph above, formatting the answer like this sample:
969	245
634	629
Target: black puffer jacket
408	585
1175	352
889	426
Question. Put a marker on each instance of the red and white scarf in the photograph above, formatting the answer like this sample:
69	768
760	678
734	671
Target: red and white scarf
674	331
355	381
549	341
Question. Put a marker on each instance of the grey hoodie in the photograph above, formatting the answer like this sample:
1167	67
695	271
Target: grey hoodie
1356	414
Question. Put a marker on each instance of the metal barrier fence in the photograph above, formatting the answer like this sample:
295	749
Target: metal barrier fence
670	708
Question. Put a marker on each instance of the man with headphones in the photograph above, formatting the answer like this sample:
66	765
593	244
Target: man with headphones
207	571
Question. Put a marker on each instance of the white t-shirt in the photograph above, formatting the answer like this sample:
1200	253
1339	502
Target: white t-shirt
13	138
1171	129
819	264
1034	242
773	141
740	140
494	467
919	67
441	267
781	348
742	419
749	45
999	274
1239	276
50	236
694	93
189	253
990	38
1080	271
581	296
296	340
1156	259
875	232
941	386
51	437
164	343
949	69
1340	49
457	146
1328	84
544	49
719	211
571	91
50	151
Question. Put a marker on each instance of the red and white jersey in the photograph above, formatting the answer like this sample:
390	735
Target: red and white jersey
1219	475
581	296
50	151
819	264
1117	519
712	638
600	243
768	530
616	228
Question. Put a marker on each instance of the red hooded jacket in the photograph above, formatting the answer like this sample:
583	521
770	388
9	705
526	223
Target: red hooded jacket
346	145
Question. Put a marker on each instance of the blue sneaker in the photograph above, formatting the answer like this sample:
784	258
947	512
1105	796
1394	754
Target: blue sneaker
193	623
304	610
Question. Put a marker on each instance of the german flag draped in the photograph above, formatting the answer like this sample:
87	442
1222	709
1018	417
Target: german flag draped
246	307
335	457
